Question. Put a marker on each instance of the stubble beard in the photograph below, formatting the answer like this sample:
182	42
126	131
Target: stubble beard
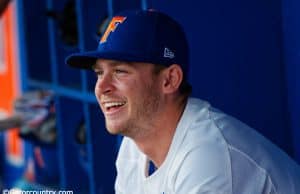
142	115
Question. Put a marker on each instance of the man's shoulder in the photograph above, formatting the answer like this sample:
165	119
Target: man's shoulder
245	148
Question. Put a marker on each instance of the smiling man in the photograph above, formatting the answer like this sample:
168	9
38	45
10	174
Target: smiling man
174	144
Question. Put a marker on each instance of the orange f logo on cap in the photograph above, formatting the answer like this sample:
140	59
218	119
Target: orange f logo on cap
112	27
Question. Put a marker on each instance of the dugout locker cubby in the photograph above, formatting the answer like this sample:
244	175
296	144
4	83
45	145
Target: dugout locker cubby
49	31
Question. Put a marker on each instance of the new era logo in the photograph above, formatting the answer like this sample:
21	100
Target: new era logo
168	53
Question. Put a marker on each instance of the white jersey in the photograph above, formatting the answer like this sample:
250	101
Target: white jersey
211	153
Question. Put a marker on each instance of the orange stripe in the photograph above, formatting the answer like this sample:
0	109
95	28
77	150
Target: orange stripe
8	80
14	49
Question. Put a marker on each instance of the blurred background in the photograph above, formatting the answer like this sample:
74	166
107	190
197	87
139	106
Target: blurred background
245	58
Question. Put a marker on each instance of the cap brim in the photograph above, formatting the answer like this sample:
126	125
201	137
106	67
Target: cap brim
86	60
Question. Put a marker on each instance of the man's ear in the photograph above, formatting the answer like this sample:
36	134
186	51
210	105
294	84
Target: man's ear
172	78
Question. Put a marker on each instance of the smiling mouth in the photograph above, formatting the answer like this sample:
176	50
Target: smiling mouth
113	106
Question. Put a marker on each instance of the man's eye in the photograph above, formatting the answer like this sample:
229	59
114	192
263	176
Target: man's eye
120	71
99	73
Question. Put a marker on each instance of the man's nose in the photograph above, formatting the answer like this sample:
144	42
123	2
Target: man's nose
104	84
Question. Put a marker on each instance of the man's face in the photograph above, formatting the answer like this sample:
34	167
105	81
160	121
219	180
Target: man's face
128	94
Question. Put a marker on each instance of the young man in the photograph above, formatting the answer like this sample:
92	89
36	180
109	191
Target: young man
141	63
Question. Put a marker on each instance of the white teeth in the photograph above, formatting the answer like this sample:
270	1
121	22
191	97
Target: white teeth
112	104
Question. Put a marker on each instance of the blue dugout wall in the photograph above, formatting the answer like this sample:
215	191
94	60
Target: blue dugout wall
244	60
